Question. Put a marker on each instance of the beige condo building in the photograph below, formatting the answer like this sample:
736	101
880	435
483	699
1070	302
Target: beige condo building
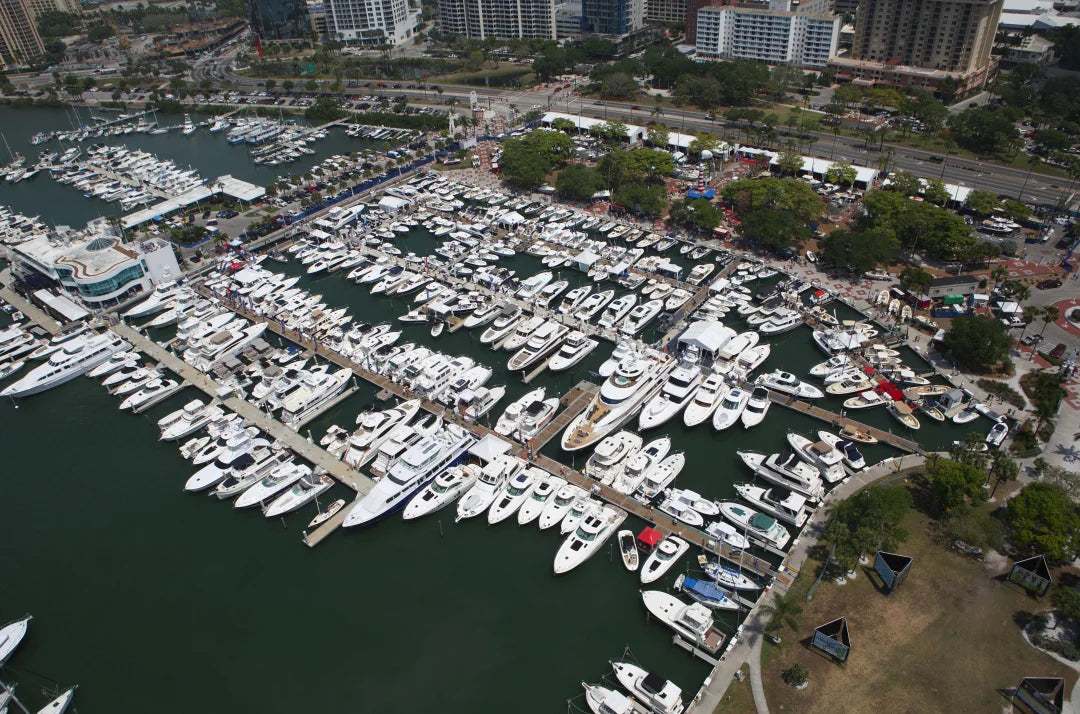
20	43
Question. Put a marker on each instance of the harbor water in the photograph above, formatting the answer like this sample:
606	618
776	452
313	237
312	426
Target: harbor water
153	599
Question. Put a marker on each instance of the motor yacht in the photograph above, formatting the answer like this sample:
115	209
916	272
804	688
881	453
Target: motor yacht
756	407
187	420
730	408
576	347
676	394
58	341
602	700
777	501
277	480
788	383
660	477
250	468
573	299
153	391
491	483
11	635
636	380
903	414
547	486
693	622
522	332
157	301
757	526
706	399
483	315
833	364
550	292
517	492
781	321
852	457
752	358
314	393
611	456
304	491
787	471
222	345
414	470
582	507
558	506
680	505
865	400
128	379
849	386
617	310
996	436
531	287
663	557
464	381
402	438
542	342
623	349
591	534
640	316
638	466
502	326
478	402
443	491
118	361
76	358
16	343
373	428
592	305
234	457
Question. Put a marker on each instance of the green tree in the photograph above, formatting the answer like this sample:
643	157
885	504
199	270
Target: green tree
774	228
936	193
1066	600
649	199
527	160
475	60
982	202
906	183
696	213
564	125
578	182
288	85
311	85
1015	210
659	136
952	484
790	163
792	195
1042	519
867	521
916	279
858	250
977	342
782	612
841	174
1002	469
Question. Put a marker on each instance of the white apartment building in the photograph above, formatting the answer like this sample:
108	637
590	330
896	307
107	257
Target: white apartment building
480	19
770	36
370	21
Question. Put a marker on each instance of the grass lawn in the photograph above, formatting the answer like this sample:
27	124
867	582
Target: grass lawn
945	641
738	699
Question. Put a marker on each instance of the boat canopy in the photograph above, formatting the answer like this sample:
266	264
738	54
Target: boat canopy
649	537
489	447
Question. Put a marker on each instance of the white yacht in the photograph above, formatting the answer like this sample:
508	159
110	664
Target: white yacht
222	345
545	340
849	451
402	438
787	471
154	390
730	408
677	392
591	534
155	302
545	491
443	491
611	455
707	398
661	696
531	287
756	407
410	473
76	358
558	506
593	304
623	349
777	501
234	457
582	507
821	455
249	469
314	393
636	380
16	342
374	428
640	464
492	481
693	622
640	316
660	477
867	399
663	557
502	326
572	299
58	341
11	635
279	479
833	364
576	347
304	491
522	332
517	492
758	526
616	310
480	401
602	700
118	361
788	383
187	420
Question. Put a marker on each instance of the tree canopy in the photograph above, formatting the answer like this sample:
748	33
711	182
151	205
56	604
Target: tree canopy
774	228
977	342
792	195
841	174
858	250
578	182
986	132
527	160
1043	520
867	521
916	279
952	484
694	213
920	225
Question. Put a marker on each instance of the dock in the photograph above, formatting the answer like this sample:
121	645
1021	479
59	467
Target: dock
696	651
885	437
572	404
317	456
32	312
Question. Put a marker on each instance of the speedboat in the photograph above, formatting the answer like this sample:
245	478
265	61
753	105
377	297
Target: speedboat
706	398
502	326
865	400
576	347
636	380
756	407
76	358
677	392
411	472
788	471
997	434
821	455
777	501
304	491
558	507
628	549
659	695
591	534
693	622
708	593
593	304
187	420
903	414
516	493
730	408
660	477
155	389
11	635
788	383
443	491
637	467
853	458
663	557
547	487
491	483
757	526
847	386
608	460
280	478
602	700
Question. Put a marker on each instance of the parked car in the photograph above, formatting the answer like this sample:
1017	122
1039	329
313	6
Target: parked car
1059	350
1031	340
1048	284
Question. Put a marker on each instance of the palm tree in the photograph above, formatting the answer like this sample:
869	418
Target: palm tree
783	612
1033	313
999	274
1002	468
658	110
1048	313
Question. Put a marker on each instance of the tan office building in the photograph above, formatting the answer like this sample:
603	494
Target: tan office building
20	44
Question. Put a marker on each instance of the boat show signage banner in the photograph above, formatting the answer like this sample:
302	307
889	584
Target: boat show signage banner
833	639
1032	574
892	568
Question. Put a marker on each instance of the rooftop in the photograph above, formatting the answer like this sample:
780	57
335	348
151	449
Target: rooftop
954	280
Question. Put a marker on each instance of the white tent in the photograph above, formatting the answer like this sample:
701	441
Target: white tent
489	447
392	204
584	260
511	220
709	336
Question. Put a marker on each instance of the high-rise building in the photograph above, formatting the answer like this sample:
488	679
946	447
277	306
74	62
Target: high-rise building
692	7
479	19
665	10
279	19
37	7
568	19
612	17
20	43
767	35
921	42
368	21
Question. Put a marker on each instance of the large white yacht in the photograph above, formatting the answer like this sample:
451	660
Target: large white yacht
222	345
787	471
611	456
730	408
305	490
694	622
545	491
540	344
235	457
640	316
777	501
508	421
706	398
373	430
76	358
517	492
314	393
677	392
187	420
155	302
591	534
493	480
821	455
443	491
576	347
617	310
559	505
410	473
279	479
661	696
666	553
635	381
522	332
638	466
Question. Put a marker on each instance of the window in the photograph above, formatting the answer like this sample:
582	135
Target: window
104	287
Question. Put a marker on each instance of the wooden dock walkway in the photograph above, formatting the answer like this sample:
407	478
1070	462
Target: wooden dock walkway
311	452
885	437
572	404
32	312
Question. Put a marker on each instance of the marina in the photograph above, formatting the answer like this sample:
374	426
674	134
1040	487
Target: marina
320	325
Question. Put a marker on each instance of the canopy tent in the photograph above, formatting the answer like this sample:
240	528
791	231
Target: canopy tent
489	447
709	336
511	219
392	204
708	193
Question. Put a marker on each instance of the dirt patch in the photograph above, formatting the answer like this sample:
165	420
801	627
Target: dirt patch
946	641
738	699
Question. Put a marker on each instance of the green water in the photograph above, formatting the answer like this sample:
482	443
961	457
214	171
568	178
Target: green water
157	600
